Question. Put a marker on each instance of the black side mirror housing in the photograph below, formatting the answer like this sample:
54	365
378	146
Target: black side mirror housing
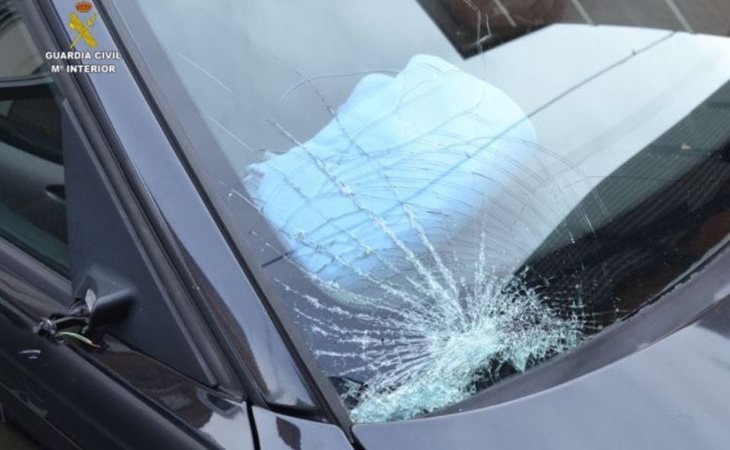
107	299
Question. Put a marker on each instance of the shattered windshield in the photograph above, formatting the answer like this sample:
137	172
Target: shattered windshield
440	194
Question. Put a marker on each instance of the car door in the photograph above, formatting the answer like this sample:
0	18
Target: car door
136	376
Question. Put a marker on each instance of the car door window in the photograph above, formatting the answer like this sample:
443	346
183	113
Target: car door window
32	198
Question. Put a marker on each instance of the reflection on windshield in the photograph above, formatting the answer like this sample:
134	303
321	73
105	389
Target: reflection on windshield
400	210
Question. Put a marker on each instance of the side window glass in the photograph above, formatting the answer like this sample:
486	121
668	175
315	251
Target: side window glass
32	194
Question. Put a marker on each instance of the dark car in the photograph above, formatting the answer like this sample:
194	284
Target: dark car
412	224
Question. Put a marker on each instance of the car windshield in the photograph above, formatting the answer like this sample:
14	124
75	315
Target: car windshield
436	195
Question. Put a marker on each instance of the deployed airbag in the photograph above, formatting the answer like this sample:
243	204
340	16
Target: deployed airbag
405	164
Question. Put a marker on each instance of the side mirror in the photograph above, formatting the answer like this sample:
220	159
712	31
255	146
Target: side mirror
107	300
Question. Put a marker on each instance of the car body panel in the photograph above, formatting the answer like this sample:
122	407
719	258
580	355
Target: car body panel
58	387
280	432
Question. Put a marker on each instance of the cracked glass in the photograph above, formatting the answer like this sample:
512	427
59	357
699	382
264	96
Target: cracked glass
440	195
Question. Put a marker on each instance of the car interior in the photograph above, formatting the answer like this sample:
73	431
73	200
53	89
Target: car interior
32	204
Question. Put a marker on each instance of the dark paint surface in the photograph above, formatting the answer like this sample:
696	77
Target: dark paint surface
279	432
221	421
96	397
48	387
11	437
